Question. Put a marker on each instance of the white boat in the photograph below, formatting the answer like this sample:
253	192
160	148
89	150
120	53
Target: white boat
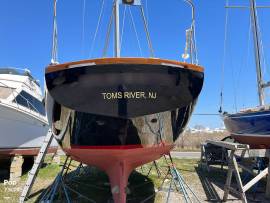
23	122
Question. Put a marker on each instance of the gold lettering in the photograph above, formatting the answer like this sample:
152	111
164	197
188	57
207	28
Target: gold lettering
152	95
126	95
114	95
120	95
133	94
129	95
143	95
104	95
109	96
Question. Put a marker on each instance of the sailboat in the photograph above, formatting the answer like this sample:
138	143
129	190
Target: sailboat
119	113
252	126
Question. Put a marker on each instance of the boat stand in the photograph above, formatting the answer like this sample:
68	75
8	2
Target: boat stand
176	182
154	165
59	184
233	168
49	194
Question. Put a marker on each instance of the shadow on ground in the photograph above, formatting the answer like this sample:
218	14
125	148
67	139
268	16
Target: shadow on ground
5	164
4	169
93	184
214	181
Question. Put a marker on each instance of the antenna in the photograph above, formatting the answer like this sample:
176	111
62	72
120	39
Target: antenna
191	46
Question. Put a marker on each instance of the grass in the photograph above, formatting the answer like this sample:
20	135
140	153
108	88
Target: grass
11	193
94	183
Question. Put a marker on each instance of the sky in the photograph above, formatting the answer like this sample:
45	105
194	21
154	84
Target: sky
26	39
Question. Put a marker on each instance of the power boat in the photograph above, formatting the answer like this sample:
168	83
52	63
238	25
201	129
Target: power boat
119	113
23	121
252	126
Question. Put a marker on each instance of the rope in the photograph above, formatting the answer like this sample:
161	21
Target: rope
224	58
135	30
54	53
97	28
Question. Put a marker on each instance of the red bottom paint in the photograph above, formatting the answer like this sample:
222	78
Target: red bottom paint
118	163
254	142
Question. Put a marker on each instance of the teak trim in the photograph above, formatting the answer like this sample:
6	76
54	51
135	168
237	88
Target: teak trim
147	61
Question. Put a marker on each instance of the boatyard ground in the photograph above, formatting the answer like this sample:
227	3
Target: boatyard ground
95	185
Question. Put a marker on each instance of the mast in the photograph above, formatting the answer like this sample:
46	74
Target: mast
117	32
257	48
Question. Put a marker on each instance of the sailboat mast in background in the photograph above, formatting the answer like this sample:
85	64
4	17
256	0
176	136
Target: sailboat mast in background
257	51
251	126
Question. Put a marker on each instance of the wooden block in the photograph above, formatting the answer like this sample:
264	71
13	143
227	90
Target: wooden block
16	167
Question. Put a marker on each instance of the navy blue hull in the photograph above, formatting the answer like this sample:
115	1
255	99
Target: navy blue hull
249	123
251	128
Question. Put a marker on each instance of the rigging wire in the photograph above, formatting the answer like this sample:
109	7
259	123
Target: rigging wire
247	57
135	30
83	26
97	28
234	87
108	34
147	11
224	58
206	114
263	58
147	32
241	67
54	59
123	27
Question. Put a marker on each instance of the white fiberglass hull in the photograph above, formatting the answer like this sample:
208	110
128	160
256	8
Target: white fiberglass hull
20	132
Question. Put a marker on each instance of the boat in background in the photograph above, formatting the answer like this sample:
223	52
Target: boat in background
252	126
23	121
120	113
